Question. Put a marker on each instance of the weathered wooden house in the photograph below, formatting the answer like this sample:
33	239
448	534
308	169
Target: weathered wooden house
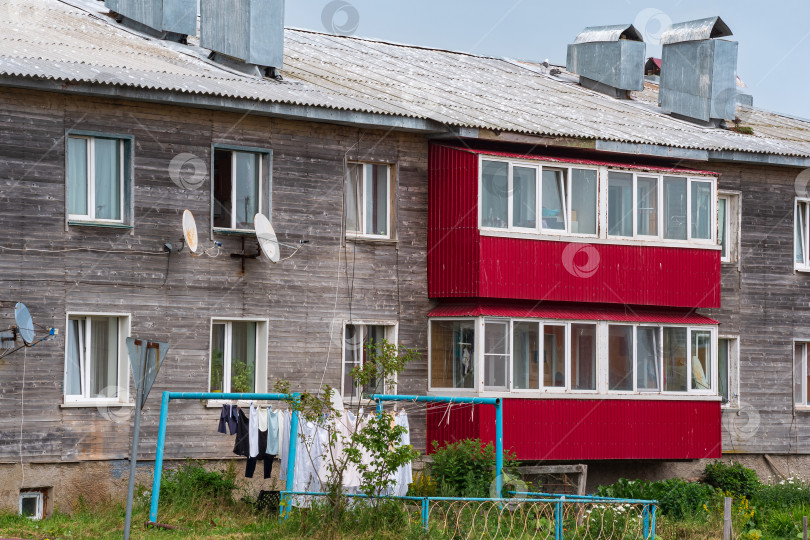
629	277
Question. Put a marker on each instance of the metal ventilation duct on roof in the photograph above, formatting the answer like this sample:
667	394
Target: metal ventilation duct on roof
250	30
609	59
177	16
699	72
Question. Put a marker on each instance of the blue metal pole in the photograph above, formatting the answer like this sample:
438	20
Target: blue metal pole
379	406
285	510
164	413
499	447
435	399
646	516
425	513
652	520
558	526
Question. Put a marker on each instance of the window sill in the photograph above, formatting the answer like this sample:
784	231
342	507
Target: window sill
371	239
801	409
218	403
93	404
804	270
235	232
103	224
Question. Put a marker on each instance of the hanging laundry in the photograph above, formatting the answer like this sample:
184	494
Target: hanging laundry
253	431
404	474
227	417
283	443
273	434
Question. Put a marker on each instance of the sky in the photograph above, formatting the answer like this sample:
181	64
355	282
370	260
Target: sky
773	36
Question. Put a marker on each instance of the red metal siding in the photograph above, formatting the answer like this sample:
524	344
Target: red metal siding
575	430
658	276
453	241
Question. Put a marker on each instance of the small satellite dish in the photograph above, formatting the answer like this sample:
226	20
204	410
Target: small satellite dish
267	237
190	231
25	324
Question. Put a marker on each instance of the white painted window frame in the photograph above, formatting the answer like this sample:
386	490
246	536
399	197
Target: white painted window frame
733	220
124	329
40	498
91	184
391	335
805	344
801	204
259	171
601	236
733	371
361	210
262	325
602	360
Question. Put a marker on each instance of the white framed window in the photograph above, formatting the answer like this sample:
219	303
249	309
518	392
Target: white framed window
367	200
801	374
97	178
96	364
559	356
32	504
526	197
650	206
238	356
801	235
241	187
728	370
357	337
728	226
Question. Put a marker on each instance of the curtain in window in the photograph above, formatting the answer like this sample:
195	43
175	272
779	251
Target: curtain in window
376	199
217	381
583	201
525	365
701	360
799	232
77	176
701	210
798	373
722	368
647	200
620	205
524	197
553	199
104	357
247	189
351	358
494	194
354	173
107	178
647	358
721	227
675	208
73	370
243	356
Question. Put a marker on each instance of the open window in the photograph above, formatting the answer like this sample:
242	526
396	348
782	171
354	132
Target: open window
728	370
357	338
98	179
96	364
238	357
801	235
241	187
728	226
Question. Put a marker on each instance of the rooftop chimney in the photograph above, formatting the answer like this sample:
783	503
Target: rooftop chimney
608	59
249	30
698	71
166	19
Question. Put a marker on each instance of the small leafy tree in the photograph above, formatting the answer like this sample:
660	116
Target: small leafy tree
379	437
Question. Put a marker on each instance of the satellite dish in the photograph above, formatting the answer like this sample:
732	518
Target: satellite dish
267	237
25	324
190	231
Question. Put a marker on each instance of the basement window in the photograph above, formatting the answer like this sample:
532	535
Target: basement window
32	504
241	187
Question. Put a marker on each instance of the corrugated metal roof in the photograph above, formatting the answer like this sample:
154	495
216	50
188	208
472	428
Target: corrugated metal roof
583	312
75	42
608	33
536	157
710	27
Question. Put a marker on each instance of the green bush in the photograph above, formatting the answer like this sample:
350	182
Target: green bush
191	482
678	499
740	481
465	468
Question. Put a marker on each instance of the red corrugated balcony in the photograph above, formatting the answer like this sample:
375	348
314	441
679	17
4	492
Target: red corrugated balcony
536	228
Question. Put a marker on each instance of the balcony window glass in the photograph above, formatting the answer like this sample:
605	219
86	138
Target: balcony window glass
583	357
620	357
647	197
452	354
495	194
496	355
620	204
553	355
553	197
524	197
648	359
583	201
525	355
675	359
701	360
701	210
675	208
722	227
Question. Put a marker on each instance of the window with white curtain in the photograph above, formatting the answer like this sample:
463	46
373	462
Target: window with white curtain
368	200
95	358
96	174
